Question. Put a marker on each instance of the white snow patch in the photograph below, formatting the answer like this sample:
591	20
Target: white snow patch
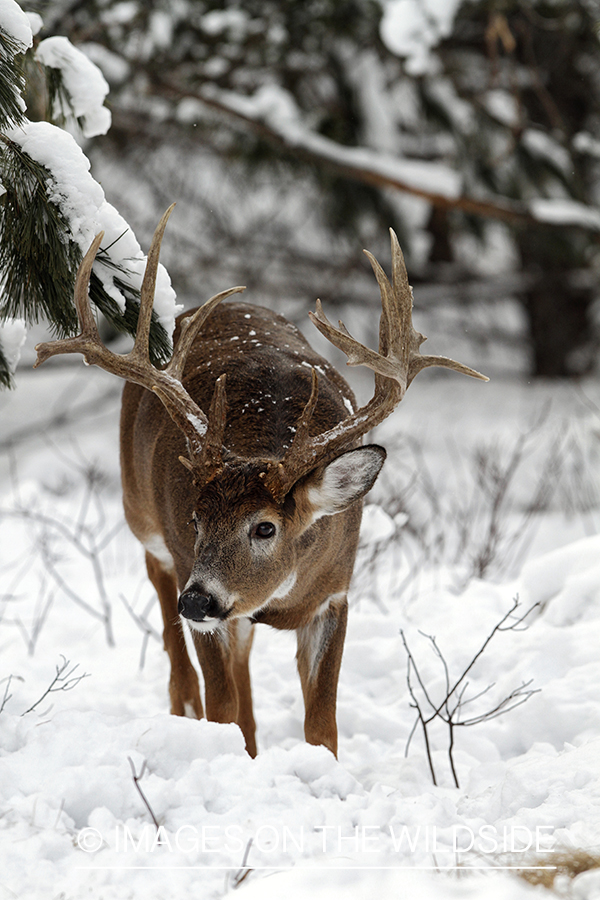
503	106
376	525
544	146
411	28
83	81
14	22
13	333
35	21
565	212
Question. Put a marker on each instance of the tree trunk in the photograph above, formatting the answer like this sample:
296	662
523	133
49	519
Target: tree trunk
558	325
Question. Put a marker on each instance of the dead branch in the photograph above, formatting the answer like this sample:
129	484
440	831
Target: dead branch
451	707
64	680
136	781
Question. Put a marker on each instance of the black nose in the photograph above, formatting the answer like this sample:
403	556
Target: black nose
194	604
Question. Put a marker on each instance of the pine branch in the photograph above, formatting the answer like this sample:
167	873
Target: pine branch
37	255
39	259
12	82
59	99
5	373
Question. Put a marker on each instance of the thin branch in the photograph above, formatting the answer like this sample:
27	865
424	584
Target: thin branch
136	781
451	715
143	624
7	697
62	681
242	873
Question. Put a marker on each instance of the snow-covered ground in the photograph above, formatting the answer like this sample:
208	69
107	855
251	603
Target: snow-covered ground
490	493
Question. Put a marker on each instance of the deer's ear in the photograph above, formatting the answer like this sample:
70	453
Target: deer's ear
345	480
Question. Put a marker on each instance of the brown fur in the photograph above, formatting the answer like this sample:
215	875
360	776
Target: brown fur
268	365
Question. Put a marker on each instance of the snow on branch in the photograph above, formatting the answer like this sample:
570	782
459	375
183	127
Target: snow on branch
272	113
83	204
565	212
52	208
15	24
80	89
15	38
12	337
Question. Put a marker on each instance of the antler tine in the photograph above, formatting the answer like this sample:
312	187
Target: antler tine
357	353
142	334
190	327
204	434
88	337
87	323
395	365
212	450
398	357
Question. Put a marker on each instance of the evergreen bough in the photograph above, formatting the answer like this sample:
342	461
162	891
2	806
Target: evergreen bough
38	255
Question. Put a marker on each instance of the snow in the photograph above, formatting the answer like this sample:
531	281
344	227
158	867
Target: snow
565	212
36	22
276	107
13	333
503	106
83	80
14	22
411	28
114	68
543	146
73	823
217	21
82	201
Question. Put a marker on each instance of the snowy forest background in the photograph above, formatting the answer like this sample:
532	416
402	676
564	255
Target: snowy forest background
292	135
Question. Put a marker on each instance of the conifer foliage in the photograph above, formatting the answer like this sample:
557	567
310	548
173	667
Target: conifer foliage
46	223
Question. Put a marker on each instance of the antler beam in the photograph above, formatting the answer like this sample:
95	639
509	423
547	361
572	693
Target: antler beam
204	433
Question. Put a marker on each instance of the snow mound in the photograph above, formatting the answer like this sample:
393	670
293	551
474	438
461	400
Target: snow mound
566	583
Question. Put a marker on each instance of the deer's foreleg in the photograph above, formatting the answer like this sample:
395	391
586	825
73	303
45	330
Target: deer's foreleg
223	656
183	683
242	633
320	647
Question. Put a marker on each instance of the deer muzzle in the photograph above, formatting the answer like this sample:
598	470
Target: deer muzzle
197	605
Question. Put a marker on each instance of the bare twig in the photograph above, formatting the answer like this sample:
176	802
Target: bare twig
242	873
482	523
7	696
450	713
88	535
64	680
44	602
143	624
58	420
136	781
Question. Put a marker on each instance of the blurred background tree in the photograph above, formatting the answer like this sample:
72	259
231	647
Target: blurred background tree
292	132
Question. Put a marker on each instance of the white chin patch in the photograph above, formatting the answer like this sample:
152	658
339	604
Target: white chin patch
204	625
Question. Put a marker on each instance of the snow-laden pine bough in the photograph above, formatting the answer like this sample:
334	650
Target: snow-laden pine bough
261	522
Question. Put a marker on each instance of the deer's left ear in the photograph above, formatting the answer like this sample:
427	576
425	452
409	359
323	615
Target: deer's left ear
346	479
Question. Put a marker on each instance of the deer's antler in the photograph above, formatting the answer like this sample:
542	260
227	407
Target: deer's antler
395	365
204	433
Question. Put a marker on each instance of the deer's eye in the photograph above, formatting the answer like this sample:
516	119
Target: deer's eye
263	530
194	523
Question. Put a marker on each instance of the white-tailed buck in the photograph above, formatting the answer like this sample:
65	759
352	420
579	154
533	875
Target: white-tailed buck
248	503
